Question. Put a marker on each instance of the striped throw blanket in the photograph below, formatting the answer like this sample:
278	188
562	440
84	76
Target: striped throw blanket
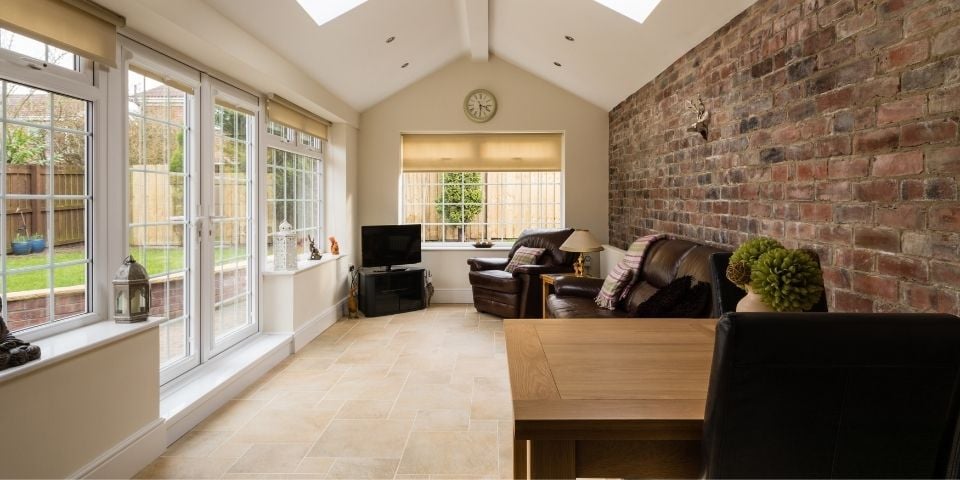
625	273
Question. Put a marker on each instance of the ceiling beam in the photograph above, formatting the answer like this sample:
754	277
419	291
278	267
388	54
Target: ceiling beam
477	28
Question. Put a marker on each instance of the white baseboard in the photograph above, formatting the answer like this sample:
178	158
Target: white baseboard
223	379
317	325
452	295
129	456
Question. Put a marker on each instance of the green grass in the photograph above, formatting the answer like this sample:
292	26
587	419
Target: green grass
154	259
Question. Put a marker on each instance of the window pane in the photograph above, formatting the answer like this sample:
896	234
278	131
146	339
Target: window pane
36	49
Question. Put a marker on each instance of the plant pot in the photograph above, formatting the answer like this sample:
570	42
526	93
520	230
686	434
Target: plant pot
753	302
38	245
20	248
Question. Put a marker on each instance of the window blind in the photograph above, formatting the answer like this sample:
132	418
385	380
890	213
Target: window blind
78	26
482	152
287	113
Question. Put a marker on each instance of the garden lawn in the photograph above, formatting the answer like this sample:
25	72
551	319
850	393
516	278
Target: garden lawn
155	259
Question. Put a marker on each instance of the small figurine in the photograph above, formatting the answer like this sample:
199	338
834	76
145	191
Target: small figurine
314	253
334	246
13	351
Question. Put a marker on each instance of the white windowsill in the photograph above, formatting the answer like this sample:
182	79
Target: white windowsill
302	265
443	248
62	346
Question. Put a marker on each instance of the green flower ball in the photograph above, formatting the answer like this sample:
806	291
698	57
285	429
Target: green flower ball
787	280
751	250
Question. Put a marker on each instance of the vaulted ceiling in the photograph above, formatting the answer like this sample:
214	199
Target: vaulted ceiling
609	57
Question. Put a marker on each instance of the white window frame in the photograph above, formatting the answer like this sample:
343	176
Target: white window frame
91	87
82	74
296	146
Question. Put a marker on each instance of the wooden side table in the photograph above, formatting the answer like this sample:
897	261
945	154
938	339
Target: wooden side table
547	279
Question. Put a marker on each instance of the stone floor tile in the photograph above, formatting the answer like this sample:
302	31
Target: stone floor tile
363	438
451	453
271	458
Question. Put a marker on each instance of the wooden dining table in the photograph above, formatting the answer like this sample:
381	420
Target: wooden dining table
608	397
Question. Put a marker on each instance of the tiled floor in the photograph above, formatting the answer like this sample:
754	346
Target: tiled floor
418	395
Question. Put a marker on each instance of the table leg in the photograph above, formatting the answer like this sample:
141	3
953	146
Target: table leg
520	459
552	458
543	298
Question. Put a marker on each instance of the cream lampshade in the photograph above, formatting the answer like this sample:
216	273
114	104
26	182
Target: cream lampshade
581	241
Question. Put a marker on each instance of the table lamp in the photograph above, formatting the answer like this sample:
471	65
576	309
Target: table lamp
581	241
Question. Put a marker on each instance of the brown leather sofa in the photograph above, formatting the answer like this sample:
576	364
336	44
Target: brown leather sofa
665	261
518	294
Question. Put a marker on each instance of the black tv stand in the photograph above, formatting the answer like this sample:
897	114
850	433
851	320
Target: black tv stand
391	269
387	292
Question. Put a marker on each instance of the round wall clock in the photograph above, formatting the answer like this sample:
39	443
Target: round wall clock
480	105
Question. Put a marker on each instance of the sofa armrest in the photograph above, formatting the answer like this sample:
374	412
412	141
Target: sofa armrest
573	286
487	263
540	269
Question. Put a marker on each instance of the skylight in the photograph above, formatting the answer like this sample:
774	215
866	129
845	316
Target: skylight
636	10
322	11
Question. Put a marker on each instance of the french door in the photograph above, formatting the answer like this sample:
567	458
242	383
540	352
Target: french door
190	153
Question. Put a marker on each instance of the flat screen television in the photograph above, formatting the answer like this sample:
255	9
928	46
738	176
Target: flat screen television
388	245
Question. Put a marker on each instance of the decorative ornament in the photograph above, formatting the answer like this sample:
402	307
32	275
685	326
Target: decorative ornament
352	305
314	252
702	124
739	273
787	280
284	248
13	351
131	292
334	246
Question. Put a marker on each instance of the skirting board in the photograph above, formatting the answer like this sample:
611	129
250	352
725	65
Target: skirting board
315	327
452	295
129	456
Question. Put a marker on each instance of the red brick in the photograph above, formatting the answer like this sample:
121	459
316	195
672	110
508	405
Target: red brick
785	134
882	87
877	239
835	234
854	213
929	17
803	191
876	191
902	267
945	217
834	191
944	160
911	189
879	37
849	167
780	173
904	216
819	41
806	231
835	100
947	41
813	170
887	288
849	26
834	278
895	164
899	56
906	109
816	212
876	140
921	297
835	11
833	146
945	100
946	273
927	132
851	303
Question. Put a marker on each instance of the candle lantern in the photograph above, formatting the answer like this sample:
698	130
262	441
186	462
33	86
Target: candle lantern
131	292
285	248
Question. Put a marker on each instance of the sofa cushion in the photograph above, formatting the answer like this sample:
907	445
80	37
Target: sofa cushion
640	293
680	298
579	307
524	256
496	280
663	260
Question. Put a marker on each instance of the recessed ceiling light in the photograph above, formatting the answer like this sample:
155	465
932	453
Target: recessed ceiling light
405	65
568	37
322	11
391	38
557	64
636	10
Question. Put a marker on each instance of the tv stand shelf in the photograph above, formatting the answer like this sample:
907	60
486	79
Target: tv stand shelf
389	292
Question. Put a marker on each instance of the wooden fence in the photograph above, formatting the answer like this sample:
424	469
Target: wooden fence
30	216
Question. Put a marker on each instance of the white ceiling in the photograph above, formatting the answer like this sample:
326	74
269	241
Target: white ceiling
611	57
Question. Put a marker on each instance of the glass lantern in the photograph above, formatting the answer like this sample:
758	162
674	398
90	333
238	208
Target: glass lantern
131	292
285	248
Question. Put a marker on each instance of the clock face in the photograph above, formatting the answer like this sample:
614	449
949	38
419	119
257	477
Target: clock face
480	105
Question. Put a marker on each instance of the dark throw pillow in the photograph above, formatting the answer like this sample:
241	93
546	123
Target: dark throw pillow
679	298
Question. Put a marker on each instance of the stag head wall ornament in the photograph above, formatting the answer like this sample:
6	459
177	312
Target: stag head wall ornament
702	124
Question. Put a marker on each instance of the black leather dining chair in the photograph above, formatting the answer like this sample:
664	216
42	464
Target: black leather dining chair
726	294
833	395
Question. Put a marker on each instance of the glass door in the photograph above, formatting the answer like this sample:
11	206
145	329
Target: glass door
230	227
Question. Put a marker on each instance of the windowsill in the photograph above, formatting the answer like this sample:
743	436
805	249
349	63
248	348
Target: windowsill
62	346
443	248
302	266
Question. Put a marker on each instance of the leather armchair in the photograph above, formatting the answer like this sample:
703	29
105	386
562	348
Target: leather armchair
518	294
833	395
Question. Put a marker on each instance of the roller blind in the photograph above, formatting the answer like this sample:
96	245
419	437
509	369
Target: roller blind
482	152
164	79
287	113
78	26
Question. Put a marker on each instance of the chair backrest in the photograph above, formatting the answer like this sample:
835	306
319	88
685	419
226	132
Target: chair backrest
726	295
821	395
549	240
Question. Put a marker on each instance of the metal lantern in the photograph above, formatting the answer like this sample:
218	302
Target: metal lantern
131	292
285	248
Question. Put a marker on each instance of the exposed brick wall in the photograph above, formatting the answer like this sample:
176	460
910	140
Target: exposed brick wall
834	127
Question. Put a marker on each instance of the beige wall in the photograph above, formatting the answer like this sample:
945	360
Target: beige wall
59	418
525	103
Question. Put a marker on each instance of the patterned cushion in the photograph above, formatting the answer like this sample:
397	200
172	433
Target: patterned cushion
617	285
524	256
